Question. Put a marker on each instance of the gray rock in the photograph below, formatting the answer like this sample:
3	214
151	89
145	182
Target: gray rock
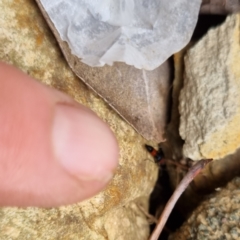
216	218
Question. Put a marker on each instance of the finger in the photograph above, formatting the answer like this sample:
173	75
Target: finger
54	151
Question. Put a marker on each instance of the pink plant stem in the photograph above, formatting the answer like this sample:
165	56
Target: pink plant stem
193	172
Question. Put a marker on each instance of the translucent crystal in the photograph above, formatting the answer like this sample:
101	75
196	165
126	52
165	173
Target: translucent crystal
142	33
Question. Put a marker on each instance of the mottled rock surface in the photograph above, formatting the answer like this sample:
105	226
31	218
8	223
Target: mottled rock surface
27	42
210	99
216	218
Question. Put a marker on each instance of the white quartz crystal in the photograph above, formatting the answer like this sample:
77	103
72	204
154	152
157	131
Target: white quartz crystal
142	33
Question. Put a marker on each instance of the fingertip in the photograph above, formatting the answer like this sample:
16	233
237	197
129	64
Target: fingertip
83	144
54	150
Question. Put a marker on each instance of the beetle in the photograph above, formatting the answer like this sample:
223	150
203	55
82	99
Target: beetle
157	154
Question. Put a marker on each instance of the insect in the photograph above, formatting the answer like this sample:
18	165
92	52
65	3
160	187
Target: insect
157	154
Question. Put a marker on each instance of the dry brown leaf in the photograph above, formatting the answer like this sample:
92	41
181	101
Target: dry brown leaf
139	96
220	6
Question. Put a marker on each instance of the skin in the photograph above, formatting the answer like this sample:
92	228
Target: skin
192	173
54	151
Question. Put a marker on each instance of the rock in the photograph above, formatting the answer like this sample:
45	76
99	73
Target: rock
210	100
27	42
74	222
216	218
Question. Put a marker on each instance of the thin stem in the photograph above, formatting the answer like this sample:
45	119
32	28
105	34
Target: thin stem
194	170
176	164
151	218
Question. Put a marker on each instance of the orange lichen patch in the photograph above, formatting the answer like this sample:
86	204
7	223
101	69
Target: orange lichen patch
39	37
114	196
23	20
